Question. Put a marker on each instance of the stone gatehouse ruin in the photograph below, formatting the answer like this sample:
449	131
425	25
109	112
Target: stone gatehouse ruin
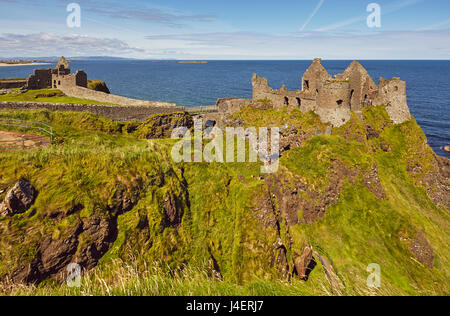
56	78
332	98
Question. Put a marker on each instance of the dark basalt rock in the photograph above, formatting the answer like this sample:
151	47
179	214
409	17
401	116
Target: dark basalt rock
18	199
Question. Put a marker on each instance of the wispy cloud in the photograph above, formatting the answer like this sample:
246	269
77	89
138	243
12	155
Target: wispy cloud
391	8
242	45
435	26
312	15
44	44
154	15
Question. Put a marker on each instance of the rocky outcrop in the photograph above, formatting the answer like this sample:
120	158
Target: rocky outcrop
18	199
437	182
304	264
86	242
162	125
98	85
173	213
421	249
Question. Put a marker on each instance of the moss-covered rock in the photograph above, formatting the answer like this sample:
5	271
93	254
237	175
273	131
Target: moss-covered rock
162	125
98	85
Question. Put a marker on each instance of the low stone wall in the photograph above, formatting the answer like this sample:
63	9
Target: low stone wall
12	84
84	93
115	112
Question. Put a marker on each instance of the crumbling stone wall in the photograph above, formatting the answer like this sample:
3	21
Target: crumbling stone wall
313	76
278	98
71	80
12	84
232	105
333	99
41	79
362	87
115	112
393	95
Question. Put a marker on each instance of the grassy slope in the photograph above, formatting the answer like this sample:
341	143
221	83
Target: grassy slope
220	222
43	96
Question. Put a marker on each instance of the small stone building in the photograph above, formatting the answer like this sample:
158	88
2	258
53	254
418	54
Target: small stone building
57	77
332	98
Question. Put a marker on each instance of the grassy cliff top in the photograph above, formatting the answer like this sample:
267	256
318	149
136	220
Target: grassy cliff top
362	195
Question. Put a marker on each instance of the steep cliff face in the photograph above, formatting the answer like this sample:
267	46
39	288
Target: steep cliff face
367	192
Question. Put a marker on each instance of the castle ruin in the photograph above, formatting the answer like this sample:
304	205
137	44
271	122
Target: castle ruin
56	78
75	85
332	98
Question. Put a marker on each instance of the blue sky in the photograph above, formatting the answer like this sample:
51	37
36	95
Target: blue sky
227	29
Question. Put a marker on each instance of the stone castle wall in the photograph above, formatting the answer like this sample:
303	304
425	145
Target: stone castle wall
71	80
333	99
393	95
41	79
12	84
279	98
115	112
84	93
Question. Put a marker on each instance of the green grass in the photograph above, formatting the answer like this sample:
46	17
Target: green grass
12	79
131	279
221	223
45	95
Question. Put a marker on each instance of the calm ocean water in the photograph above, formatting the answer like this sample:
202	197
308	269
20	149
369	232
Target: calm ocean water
428	83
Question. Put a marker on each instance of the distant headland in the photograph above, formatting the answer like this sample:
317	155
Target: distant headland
9	63
182	61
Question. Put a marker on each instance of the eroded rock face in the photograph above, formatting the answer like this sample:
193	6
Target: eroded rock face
173	213
437	182
101	232
304	264
291	138
51	259
86	242
422	251
162	125
18	199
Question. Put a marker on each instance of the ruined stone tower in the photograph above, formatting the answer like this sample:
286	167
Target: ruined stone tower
333	98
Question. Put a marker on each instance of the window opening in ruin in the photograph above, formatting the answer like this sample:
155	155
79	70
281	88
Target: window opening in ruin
299	102
286	101
396	88
307	84
339	102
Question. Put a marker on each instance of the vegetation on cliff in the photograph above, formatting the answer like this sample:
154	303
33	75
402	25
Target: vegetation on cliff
98	85
371	192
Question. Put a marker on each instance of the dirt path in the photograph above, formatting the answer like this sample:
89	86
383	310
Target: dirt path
10	139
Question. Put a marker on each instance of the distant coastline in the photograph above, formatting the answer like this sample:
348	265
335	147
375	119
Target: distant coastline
182	61
4	64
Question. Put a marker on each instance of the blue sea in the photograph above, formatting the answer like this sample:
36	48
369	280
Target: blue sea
428	83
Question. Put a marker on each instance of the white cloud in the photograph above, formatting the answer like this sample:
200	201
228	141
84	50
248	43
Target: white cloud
344	45
49	44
